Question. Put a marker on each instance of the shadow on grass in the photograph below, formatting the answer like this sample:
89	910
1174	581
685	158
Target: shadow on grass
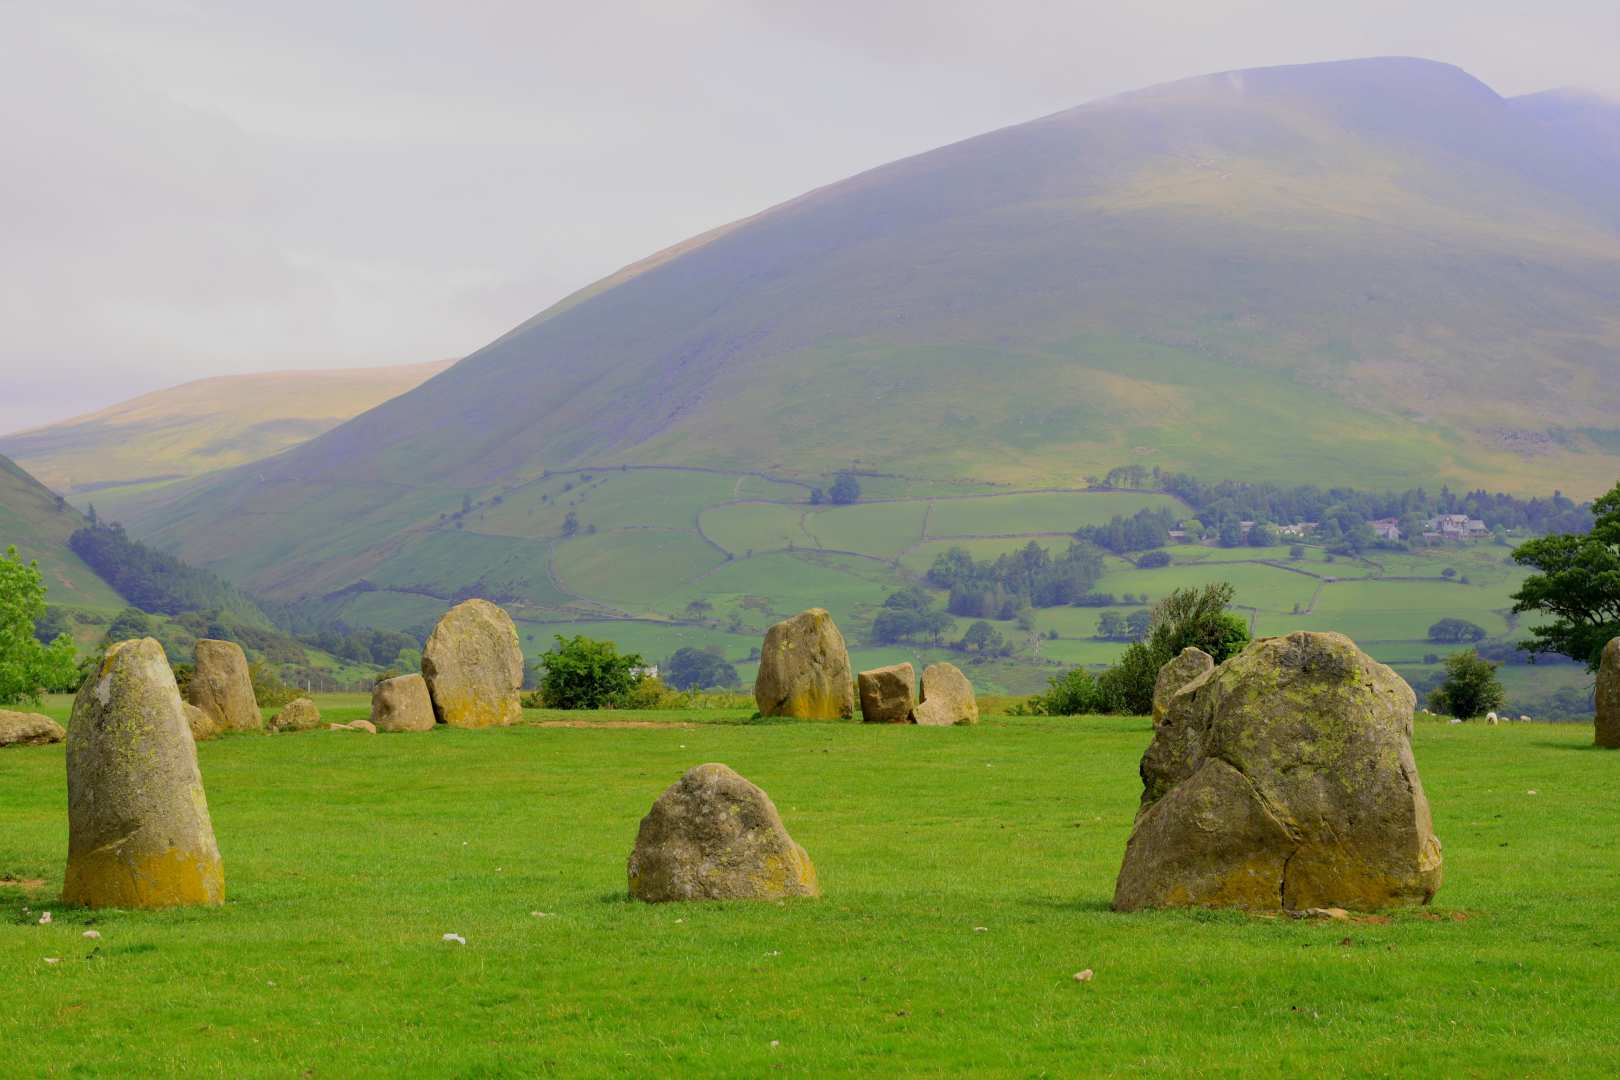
1583	747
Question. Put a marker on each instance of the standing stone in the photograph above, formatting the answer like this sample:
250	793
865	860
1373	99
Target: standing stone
201	725
714	836
947	697
139	835
804	670
1185	670
1607	723
402	704
299	714
473	666
1284	778
888	694
221	687
28	729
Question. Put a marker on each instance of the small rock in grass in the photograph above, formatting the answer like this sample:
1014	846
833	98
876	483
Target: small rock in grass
1083	976
93	935
980	929
1532	791
455	938
45	919
53	959
775	1043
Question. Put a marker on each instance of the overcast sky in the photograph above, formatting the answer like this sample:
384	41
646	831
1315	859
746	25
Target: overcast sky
201	188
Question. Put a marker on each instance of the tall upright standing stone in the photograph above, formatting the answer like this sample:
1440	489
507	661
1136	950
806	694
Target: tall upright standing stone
1607	722
1283	778
139	835
473	665
222	688
804	670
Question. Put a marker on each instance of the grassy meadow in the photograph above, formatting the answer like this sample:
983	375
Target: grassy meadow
967	876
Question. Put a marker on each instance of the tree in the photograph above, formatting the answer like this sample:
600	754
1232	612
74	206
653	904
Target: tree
894	625
816	497
1455	631
570	524
28	666
1577	583
982	637
1296	552
1471	687
912	597
583	673
699	609
1111	625
696	669
130	623
1137	624
1231	534
1072	694
1198	617
845	489
1153	560
1263	534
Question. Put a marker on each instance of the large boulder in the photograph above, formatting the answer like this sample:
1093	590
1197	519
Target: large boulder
947	697
28	729
221	687
804	670
1607	723
888	694
714	836
473	666
1283	778
139	835
402	704
201	724
1193	663
299	714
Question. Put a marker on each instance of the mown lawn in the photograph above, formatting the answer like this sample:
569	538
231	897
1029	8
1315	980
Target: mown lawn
348	857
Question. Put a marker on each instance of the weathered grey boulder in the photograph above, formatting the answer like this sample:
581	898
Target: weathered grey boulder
1607	722
221	687
888	694
473	666
714	836
28	729
1284	778
804	670
299	714
947	697
139	835
402	704
200	723
1193	664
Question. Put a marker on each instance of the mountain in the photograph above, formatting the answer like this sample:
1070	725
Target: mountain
184	431
1375	272
38	524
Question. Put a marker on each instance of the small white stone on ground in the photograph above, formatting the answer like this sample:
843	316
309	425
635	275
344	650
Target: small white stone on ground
53	959
1532	791
93	935
1083	976
45	919
457	938
980	929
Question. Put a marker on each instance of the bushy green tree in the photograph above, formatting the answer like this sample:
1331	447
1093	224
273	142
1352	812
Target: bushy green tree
695	669
1577	582
1072	694
1471	687
583	673
27	665
1456	630
844	490
982	637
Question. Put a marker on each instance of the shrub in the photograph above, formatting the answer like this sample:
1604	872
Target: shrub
1471	688
694	669
1071	694
27	665
1152	560
1456	631
582	673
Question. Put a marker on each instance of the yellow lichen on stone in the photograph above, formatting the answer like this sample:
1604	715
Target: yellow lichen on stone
105	878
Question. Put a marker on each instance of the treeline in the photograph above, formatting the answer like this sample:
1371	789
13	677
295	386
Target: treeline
1142	531
1030	577
1230	500
363	644
154	581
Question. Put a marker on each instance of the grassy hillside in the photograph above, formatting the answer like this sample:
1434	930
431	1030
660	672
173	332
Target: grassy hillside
1373	272
136	448
38	524
966	875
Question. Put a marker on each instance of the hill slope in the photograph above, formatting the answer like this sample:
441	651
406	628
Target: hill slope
201	426
1375	272
34	520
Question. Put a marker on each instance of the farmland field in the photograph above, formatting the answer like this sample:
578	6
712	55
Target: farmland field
967	875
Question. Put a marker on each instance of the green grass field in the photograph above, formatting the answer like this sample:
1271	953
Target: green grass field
348	858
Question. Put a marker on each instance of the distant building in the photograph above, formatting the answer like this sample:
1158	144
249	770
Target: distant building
1178	536
1456	527
1386	528
1299	529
